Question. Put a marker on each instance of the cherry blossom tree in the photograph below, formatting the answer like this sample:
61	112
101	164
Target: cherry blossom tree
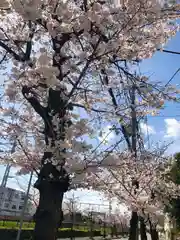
137	170
65	55
152	195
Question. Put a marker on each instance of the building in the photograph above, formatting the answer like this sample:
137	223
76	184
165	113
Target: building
11	202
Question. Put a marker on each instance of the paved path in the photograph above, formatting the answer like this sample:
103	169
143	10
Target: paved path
101	238
95	238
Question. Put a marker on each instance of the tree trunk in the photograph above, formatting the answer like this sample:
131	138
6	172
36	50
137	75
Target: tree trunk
154	234
167	227
53	179
48	215
153	231
133	232
143	229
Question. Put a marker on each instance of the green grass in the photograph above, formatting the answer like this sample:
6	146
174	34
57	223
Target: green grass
14	225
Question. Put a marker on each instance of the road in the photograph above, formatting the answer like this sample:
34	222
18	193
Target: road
97	238
101	238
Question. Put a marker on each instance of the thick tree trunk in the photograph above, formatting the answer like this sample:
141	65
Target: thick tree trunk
53	179
133	232
48	215
143	229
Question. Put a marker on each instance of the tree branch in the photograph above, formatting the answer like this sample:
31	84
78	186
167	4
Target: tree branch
28	95
92	109
84	69
10	51
26	154
29	43
110	91
4	57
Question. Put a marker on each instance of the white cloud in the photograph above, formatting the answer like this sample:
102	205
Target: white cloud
172	127
173	148
147	129
106	135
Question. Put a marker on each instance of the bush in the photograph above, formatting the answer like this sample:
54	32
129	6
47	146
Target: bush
10	234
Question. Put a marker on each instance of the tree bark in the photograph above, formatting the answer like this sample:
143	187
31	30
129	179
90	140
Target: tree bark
53	179
133	232
154	234
48	215
153	231
143	229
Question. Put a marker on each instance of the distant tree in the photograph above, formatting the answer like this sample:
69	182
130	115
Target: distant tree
174	205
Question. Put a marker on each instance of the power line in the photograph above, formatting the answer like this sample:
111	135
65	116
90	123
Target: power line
172	77
168	51
164	116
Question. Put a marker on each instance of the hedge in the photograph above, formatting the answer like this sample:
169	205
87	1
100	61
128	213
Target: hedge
10	234
65	226
30	225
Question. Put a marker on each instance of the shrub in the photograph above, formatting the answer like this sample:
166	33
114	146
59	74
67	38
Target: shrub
10	234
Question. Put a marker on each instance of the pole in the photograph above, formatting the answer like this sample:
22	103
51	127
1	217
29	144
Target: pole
133	121
6	173
24	207
91	225
104	226
134	233
110	219
72	218
7	170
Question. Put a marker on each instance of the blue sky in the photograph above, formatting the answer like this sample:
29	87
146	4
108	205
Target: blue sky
161	68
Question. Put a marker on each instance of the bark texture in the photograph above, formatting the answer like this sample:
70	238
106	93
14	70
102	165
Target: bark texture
153	231
143	229
48	215
133	232
53	180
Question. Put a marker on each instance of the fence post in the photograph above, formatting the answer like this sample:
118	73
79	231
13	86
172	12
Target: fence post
24	208
91	225
104	226
72	220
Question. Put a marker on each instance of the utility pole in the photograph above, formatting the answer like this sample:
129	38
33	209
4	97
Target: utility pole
24	207
72	216
110	218
8	167
6	173
134	233
133	121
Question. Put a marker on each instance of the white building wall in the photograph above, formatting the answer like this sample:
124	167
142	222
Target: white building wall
11	201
